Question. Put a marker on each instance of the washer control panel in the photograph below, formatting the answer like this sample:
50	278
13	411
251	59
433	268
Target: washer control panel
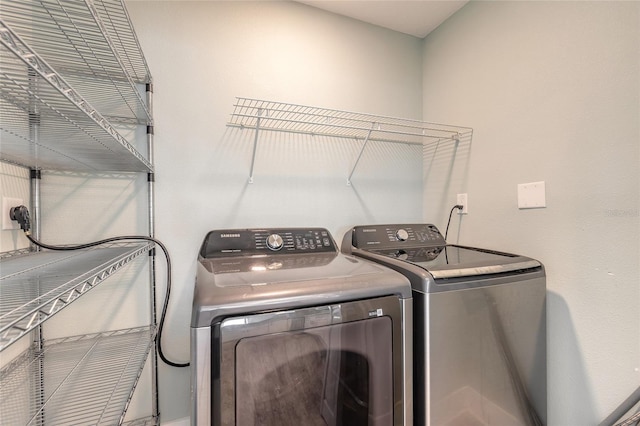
397	236
249	242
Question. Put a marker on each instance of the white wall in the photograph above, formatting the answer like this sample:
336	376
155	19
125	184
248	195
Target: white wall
552	90
204	54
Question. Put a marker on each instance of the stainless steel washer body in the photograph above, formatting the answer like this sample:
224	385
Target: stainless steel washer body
287	331
479	326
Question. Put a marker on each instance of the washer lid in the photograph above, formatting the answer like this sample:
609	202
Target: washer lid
453	261
420	252
255	271
225	293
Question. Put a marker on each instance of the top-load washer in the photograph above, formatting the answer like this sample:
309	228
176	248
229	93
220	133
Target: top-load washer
479	325
287	331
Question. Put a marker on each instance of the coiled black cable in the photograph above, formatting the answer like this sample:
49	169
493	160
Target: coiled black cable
21	215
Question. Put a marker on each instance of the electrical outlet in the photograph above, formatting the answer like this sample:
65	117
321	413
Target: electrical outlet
7	203
462	200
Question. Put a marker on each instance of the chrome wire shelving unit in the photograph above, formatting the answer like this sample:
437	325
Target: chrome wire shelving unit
91	43
88	379
75	96
263	115
59	120
37	285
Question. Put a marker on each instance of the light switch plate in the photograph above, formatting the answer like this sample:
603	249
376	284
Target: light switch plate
531	195
7	203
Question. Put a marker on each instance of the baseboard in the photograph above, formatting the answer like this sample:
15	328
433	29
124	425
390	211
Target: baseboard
185	421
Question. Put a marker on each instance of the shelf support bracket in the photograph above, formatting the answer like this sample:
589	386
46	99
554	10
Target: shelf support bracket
364	145
255	144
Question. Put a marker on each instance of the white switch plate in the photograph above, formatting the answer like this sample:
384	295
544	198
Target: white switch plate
7	203
462	200
531	195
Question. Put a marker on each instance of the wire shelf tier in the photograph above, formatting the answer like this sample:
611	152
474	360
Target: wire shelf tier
47	124
36	286
86	379
260	115
284	117
91	43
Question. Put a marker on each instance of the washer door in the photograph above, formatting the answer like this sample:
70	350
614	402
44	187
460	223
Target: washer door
329	365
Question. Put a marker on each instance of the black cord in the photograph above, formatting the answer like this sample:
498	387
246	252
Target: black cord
21	214
457	206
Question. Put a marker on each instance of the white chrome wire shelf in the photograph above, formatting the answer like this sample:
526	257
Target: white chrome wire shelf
92	44
284	117
86	380
47	124
262	115
36	286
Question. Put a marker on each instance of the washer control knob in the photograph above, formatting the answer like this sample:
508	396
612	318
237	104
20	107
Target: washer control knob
402	235
274	242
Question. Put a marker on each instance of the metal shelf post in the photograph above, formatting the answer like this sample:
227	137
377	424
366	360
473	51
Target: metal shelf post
155	404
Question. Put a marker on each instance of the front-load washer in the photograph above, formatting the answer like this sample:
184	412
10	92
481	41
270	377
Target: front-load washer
285	330
479	325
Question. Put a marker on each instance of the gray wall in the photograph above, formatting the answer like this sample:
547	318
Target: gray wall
552	90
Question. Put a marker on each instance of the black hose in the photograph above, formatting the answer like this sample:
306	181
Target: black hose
21	214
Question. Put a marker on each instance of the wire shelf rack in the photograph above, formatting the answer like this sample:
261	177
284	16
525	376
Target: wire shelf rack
263	115
91	43
75	94
47	124
37	285
285	117
84	380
